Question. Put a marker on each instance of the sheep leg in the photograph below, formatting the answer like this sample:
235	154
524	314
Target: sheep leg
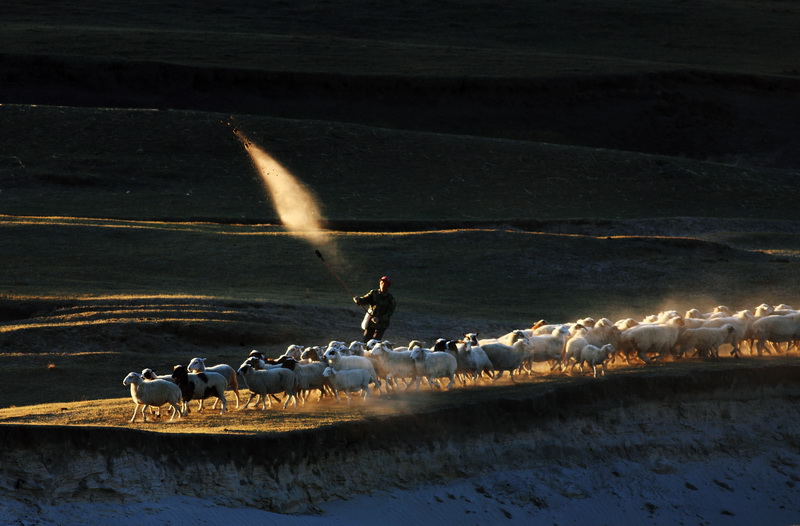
290	396
135	410
175	411
252	394
234	385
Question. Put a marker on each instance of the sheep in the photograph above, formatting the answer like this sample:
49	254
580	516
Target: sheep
763	310
433	365
741	321
721	311
546	329
694	314
410	346
199	386
465	362
503	357
348	381
706	340
572	349
149	374
776	329
603	332
625	323
596	357
311	354
309	376
657	339
198	365
544	347
475	359
456	349
294	351
269	382
357	348
341	362
152	393
398	364
263	364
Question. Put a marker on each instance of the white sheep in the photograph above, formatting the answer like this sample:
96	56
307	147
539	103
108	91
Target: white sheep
433	365
152	393
544	347
651	339
775	329
504	358
707	340
336	359
475	359
312	354
603	332
199	386
398	365
149	374
198	365
269	382
357	348
695	314
348	381
741	321
309	377
596	357
571	354
625	323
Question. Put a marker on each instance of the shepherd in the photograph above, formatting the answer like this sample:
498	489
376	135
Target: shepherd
381	307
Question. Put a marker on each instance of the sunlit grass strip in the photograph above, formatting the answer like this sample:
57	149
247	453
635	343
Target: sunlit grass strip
106	321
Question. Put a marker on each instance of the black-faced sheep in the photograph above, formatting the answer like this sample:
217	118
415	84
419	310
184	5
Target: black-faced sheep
199	386
198	365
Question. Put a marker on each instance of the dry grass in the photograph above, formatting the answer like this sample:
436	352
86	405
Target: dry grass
116	412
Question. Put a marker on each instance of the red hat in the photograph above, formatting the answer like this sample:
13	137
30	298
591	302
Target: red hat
387	279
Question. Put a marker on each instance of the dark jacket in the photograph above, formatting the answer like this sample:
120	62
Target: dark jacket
381	306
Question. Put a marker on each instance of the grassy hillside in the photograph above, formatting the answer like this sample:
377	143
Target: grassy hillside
503	163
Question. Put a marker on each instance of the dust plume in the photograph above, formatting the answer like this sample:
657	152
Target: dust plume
295	204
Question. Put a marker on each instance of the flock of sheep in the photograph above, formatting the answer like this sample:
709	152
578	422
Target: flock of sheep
361	367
